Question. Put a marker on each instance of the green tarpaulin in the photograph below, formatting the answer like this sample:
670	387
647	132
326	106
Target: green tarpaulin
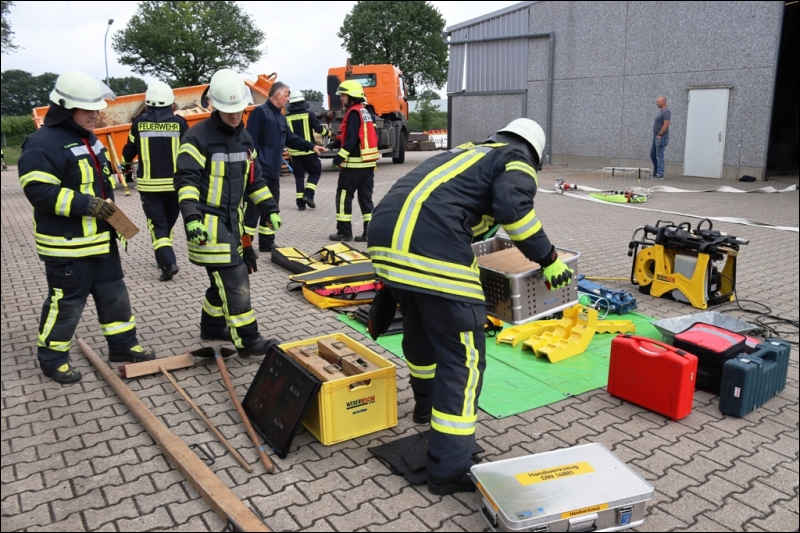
517	381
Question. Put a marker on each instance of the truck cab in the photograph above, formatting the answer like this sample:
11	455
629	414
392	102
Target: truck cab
385	89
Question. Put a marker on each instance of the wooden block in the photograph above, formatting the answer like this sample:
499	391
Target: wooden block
333	350
324	370
146	368
120	222
303	354
355	364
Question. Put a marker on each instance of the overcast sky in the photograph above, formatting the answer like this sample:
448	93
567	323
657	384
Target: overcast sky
301	42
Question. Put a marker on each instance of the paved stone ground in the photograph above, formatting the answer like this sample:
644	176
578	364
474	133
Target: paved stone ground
74	458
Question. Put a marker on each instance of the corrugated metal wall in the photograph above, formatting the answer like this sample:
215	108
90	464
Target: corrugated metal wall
491	66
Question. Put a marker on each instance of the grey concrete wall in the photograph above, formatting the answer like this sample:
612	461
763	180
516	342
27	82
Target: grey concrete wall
613	59
476	117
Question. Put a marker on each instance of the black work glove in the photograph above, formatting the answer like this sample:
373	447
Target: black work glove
250	256
335	144
127	171
100	209
337	161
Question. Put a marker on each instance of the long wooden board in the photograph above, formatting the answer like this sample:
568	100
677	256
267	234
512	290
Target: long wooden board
215	493
512	261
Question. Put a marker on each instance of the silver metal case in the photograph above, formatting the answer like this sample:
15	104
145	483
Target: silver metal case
583	488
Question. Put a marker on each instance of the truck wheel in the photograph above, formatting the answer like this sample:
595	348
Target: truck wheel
401	152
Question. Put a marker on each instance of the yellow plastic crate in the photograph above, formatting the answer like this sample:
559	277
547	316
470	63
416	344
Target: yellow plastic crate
346	409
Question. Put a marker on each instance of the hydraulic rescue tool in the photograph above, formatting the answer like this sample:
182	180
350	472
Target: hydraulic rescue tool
677	261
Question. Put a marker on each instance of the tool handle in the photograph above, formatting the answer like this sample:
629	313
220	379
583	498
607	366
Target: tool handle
246	421
205	419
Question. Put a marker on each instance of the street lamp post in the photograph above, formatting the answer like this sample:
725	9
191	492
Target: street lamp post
105	48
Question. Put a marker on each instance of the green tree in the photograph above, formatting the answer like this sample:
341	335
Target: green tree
7	35
21	91
405	34
313	96
428	94
127	85
184	43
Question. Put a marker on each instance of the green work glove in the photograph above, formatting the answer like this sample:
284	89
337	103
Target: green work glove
196	232
275	221
100	209
557	275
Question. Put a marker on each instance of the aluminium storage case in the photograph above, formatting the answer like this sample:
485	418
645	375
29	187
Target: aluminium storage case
357	405
522	298
583	488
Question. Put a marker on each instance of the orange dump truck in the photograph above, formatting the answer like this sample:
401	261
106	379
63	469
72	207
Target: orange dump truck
114	122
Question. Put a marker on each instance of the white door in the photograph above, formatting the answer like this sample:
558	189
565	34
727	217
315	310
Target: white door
705	132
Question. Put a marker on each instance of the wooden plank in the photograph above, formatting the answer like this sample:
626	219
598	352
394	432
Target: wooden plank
120	221
512	261
355	364
215	493
146	368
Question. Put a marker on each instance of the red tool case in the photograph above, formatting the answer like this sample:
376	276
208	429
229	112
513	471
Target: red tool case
652	374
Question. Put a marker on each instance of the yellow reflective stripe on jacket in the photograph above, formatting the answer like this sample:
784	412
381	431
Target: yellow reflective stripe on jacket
422	372
189	192
155	185
523	167
401	240
87	187
427	273
524	227
210	253
52	316
473	377
260	195
344	154
115	328
42	177
453	424
144	157
215	181
190	149
307	135
483	226
64	202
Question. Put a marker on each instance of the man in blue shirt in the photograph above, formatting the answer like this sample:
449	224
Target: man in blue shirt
660	137
270	133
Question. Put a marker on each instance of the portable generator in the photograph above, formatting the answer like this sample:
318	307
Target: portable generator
678	262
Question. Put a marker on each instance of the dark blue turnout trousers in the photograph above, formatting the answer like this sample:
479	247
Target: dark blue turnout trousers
445	348
161	210
352	181
69	283
227	303
302	165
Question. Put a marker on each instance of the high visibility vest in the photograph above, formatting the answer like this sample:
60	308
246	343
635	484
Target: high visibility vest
367	141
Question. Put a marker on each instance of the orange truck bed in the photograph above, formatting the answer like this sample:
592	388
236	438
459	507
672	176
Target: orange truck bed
114	122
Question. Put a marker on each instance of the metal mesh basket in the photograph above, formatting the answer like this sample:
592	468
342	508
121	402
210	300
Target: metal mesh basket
521	298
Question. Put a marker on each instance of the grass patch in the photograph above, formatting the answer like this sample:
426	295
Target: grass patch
11	154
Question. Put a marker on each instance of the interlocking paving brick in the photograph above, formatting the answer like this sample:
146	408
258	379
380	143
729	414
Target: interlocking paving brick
699	468
658	520
785	445
267	505
438	514
144	522
733	514
724	453
325	506
659	462
687	506
704	524
717	490
364	517
741	474
408	499
352	498
761	496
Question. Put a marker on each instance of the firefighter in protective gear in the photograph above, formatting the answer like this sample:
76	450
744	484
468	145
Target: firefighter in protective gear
304	123
420	244
357	158
66	175
217	166
155	139
270	133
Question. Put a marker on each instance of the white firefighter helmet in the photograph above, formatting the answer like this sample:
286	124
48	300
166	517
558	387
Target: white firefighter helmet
159	94
76	90
530	131
297	96
228	92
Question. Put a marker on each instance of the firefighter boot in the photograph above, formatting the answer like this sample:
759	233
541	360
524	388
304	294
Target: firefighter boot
308	198
64	374
363	236
135	354
168	272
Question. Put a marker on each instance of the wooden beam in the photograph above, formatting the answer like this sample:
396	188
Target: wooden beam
145	368
215	493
